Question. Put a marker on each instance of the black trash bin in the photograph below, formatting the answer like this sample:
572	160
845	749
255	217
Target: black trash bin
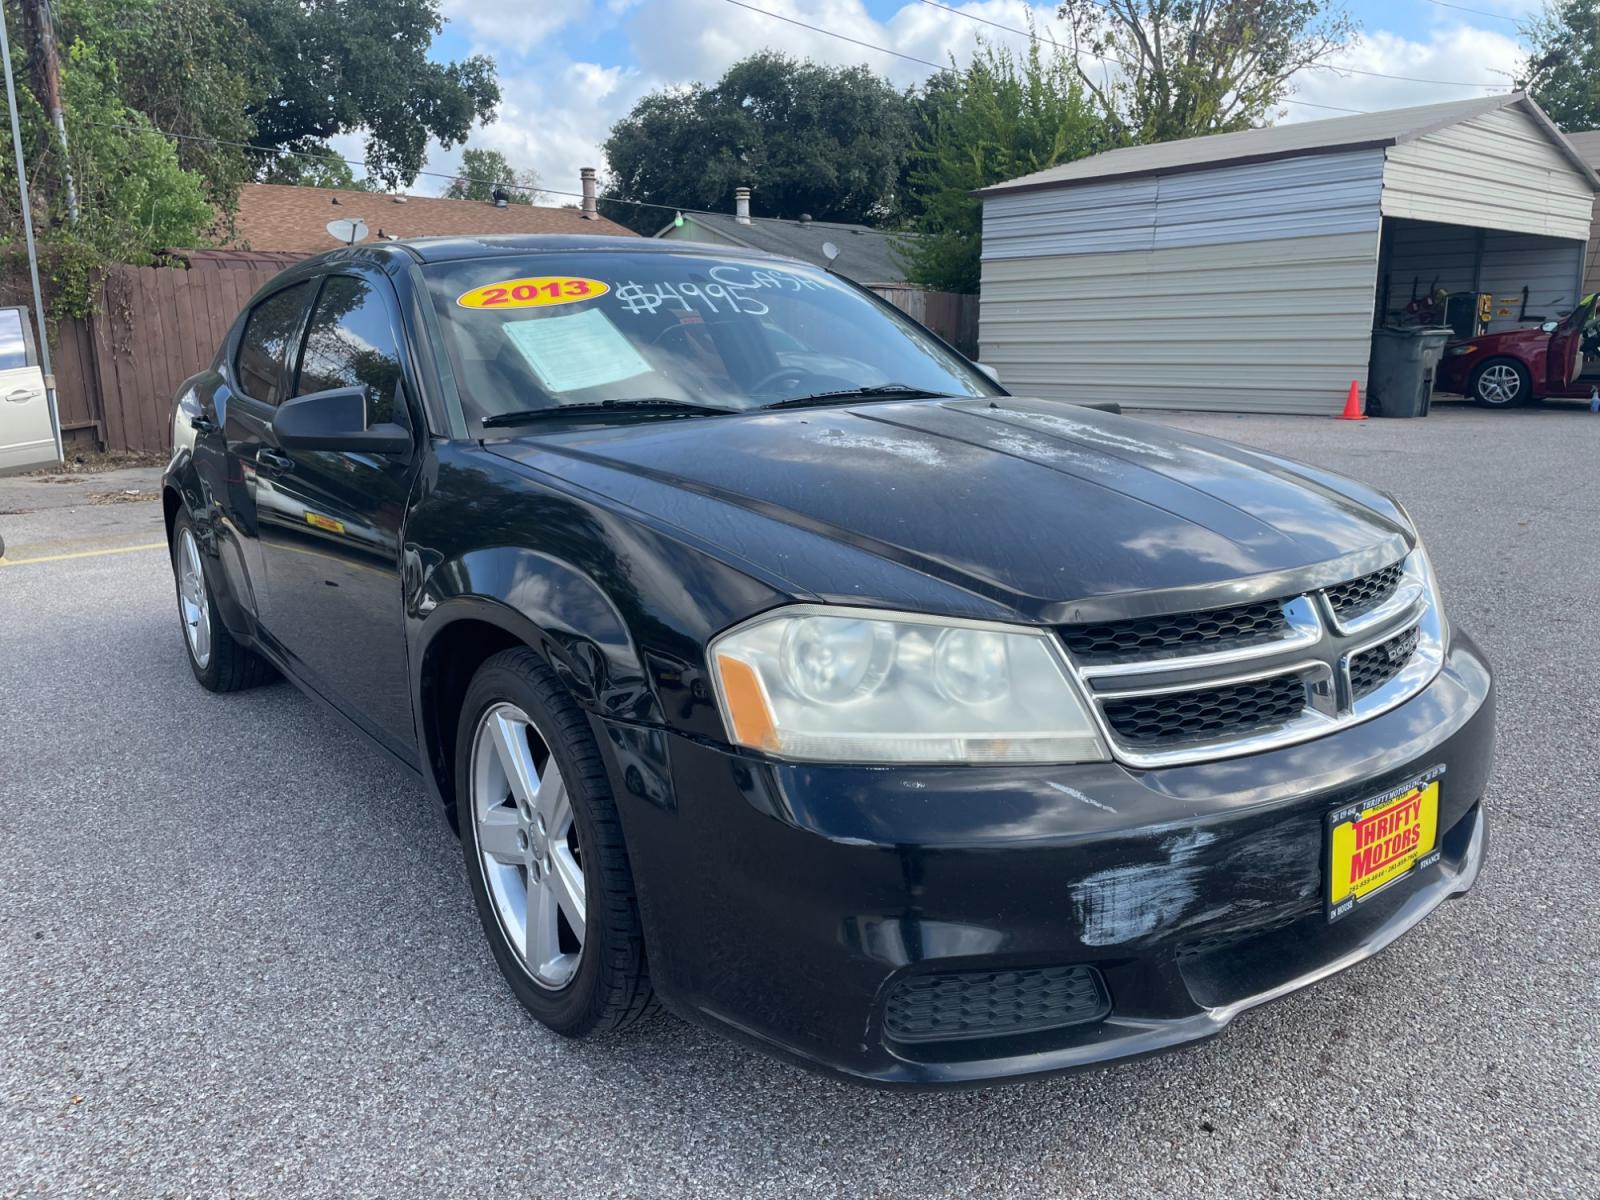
1404	359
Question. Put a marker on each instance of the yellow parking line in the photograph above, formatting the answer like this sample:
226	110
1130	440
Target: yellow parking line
44	558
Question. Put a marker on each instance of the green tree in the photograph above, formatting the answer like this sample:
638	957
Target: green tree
342	66
1562	70
484	171
190	67
829	141
321	167
1166	69
1005	115
134	195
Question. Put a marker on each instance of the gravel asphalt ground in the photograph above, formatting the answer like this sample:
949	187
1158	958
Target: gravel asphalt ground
238	957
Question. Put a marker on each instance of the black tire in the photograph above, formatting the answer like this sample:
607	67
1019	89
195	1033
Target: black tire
611	987
228	666
1490	384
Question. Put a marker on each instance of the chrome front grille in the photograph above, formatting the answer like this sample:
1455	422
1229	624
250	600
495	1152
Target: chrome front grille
1204	714
1182	633
1237	680
1371	669
1362	595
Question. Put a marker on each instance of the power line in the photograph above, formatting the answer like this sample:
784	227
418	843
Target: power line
946	67
841	37
1482	12
1039	37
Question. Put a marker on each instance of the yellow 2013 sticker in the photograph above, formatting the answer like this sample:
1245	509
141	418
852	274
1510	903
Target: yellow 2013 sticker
539	291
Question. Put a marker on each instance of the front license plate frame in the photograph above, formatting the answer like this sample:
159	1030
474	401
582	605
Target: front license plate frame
1398	836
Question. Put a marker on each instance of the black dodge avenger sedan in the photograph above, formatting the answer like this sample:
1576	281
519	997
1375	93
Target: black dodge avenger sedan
776	664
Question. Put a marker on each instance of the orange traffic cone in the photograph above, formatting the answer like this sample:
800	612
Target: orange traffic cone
1352	405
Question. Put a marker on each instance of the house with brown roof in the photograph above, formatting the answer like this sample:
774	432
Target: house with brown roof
282	217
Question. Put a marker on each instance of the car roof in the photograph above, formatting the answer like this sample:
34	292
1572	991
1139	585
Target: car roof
449	249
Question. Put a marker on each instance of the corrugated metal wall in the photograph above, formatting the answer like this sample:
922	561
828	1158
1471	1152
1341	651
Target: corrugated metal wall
1238	289
1591	273
1500	170
1423	254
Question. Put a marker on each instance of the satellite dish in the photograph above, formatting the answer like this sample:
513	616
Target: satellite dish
348	230
829	250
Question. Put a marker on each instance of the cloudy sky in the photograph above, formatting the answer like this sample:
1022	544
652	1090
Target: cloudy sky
570	68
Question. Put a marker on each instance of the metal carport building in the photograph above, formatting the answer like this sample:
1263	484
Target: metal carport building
1246	271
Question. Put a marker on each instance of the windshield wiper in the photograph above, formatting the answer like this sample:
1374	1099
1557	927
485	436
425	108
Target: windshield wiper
901	390
638	404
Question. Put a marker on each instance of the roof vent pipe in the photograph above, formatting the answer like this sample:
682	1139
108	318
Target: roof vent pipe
591	209
805	218
741	205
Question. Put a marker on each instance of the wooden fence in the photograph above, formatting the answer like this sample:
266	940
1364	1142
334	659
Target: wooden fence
153	327
951	315
117	372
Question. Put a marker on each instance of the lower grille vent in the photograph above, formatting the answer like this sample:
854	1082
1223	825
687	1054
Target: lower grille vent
981	1004
1234	711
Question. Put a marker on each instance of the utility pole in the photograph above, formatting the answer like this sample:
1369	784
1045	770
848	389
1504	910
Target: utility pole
27	233
47	75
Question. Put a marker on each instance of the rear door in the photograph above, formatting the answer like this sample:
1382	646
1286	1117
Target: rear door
27	438
331	538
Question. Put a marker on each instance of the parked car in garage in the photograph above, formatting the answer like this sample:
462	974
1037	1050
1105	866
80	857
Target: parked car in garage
774	663
1517	366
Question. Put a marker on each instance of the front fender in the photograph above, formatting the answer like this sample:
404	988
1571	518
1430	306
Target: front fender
551	607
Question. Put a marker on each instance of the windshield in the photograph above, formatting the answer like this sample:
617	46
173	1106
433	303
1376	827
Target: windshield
543	331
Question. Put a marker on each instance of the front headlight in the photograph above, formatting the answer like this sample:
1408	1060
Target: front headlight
1453	351
863	686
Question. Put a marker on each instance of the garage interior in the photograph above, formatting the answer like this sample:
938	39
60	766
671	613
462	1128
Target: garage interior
1531	278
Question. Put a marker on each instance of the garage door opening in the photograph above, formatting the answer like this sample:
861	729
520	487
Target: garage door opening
1520	326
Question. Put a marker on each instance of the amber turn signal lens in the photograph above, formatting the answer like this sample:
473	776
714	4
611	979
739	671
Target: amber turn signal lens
747	704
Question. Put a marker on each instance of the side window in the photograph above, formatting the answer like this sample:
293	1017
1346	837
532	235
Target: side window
351	343
14	347
264	348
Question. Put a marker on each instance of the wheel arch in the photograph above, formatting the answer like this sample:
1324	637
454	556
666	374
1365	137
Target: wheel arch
459	635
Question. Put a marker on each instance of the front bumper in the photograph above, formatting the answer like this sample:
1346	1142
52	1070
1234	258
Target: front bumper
786	903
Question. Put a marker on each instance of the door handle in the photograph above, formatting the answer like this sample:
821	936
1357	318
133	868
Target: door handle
202	424
273	460
22	395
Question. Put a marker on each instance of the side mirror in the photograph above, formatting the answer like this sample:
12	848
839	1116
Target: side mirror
1550	326
336	420
988	370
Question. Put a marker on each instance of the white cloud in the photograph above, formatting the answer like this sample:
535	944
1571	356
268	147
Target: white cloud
557	110
515	24
1453	54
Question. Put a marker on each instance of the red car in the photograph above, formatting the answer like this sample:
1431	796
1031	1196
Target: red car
1558	358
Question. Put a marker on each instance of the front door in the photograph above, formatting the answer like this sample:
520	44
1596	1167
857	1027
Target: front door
331	538
1570	345
27	438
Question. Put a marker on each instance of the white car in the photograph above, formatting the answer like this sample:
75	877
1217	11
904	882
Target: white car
27	439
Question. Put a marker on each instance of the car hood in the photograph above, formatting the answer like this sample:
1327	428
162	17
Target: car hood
1041	509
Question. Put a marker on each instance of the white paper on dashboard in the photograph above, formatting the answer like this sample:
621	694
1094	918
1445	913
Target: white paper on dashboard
580	351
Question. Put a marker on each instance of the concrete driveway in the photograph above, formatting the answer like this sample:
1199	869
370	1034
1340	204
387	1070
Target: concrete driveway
238	957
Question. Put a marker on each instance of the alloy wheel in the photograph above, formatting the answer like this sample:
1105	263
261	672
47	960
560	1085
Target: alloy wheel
528	845
1499	384
193	604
